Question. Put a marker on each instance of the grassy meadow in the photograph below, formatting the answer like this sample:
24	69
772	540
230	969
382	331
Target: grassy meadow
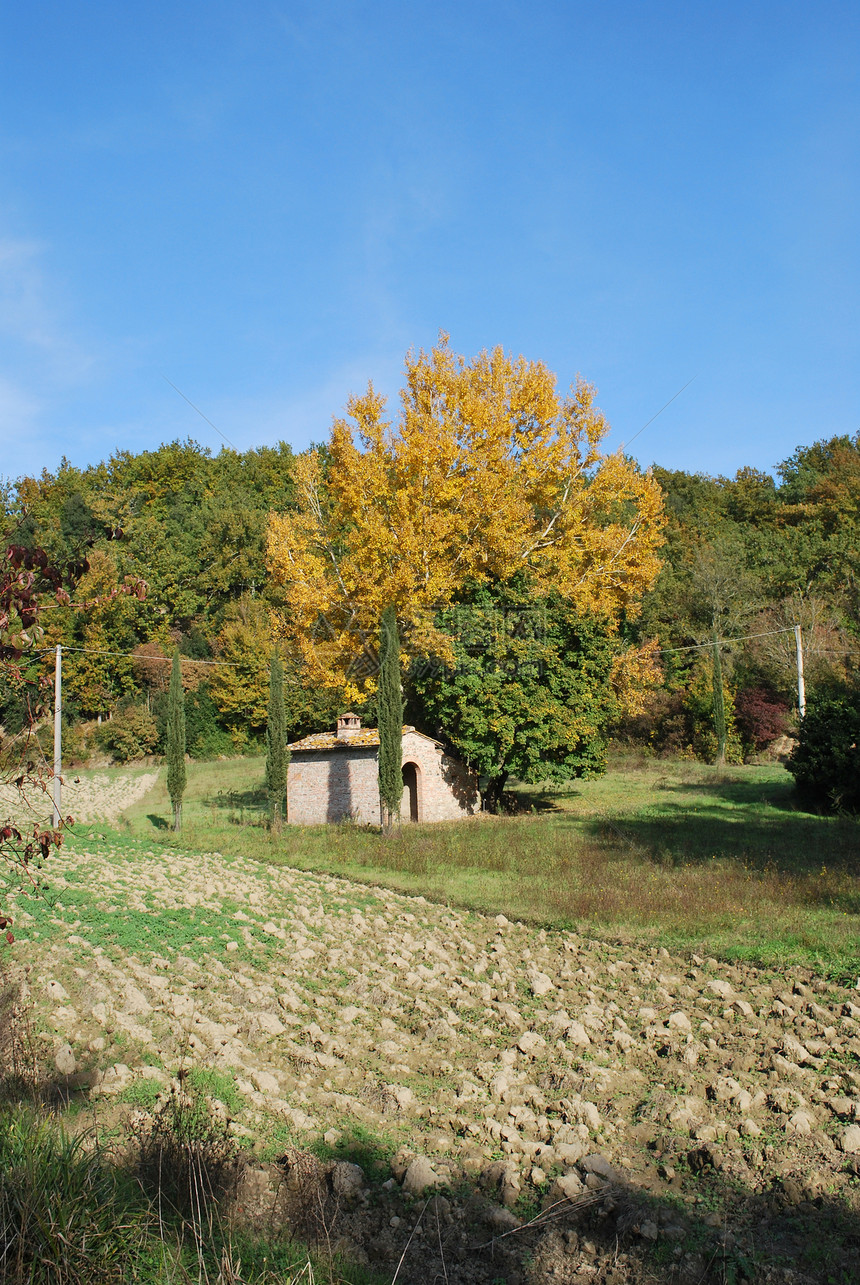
721	861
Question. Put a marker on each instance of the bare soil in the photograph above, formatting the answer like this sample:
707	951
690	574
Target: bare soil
525	1105
96	797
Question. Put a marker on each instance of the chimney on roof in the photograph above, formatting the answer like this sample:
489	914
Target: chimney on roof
348	727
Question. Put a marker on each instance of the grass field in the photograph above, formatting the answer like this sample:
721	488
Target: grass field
720	861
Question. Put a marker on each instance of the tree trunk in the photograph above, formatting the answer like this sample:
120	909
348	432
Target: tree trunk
493	793
177	817
390	821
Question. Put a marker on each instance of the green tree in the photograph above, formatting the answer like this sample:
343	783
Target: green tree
176	741
390	707
130	734
240	685
530	693
309	707
277	754
97	677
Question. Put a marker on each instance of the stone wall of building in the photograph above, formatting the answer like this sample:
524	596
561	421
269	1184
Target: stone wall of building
333	785
341	784
447	791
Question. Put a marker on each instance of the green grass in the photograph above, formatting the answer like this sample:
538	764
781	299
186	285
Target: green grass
67	1216
141	1094
672	853
72	1215
103	917
360	1146
216	1084
199	1081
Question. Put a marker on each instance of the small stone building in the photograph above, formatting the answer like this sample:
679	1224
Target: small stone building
333	777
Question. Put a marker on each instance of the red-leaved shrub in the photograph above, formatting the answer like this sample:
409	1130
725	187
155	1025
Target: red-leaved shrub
760	716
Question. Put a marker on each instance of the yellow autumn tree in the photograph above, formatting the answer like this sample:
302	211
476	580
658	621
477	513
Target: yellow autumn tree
487	473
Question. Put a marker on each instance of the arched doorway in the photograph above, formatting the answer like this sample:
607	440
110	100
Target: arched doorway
409	804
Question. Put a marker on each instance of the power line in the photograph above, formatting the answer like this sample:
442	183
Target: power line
770	633
190	660
200	413
659	412
168	660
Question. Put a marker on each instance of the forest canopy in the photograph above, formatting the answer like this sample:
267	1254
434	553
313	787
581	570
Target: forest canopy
487	483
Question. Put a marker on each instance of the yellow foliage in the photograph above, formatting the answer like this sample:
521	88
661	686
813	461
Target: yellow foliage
489	472
635	673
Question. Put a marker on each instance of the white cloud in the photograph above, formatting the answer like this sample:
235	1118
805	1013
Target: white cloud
42	362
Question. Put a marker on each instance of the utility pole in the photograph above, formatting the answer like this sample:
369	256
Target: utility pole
801	689
58	735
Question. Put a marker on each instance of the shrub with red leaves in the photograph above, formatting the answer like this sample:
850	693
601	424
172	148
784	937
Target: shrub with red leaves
760	716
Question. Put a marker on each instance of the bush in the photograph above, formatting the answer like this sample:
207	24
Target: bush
761	716
187	1158
825	763
679	722
79	741
664	728
77	744
699	706
130	734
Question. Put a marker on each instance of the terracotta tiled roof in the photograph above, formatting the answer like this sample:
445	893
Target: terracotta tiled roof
366	738
330	741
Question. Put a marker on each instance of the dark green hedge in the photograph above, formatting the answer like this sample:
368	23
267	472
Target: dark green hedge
826	760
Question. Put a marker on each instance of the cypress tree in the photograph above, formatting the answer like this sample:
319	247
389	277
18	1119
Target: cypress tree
390	706
277	754
719	703
176	741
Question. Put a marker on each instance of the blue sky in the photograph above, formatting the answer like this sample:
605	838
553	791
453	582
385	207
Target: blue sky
268	203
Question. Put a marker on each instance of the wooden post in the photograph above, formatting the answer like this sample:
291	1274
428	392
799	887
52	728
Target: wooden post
58	736
801	688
